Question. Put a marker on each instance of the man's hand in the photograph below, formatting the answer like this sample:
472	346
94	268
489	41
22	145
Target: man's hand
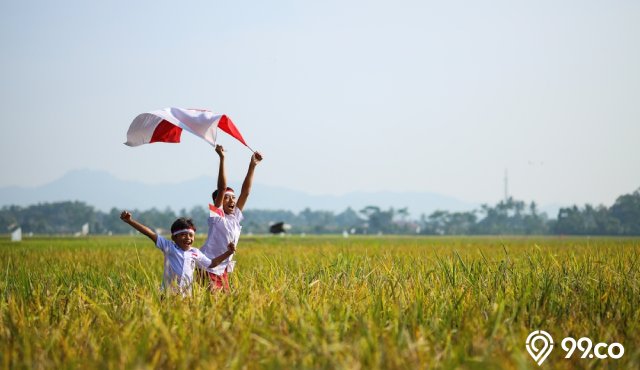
125	216
256	158
231	248
220	151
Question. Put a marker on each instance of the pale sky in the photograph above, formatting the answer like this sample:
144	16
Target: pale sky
339	96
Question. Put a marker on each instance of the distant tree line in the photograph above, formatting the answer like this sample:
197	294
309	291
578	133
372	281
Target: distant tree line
508	217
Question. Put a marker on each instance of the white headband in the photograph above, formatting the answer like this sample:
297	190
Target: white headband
183	231
229	192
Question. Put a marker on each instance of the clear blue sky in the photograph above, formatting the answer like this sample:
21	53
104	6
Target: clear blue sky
339	95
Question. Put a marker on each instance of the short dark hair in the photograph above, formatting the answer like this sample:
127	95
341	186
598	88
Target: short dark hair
182	223
214	195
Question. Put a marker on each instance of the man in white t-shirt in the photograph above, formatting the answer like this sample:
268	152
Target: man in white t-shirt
224	222
180	258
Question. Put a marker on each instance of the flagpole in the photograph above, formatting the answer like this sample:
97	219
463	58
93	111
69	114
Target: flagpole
215	142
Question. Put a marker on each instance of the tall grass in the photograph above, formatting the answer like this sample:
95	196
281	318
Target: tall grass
320	302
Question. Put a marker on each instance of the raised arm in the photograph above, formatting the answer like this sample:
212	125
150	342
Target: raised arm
126	217
222	178
248	180
231	248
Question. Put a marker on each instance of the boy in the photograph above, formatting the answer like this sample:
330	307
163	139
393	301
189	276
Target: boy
224	222
180	258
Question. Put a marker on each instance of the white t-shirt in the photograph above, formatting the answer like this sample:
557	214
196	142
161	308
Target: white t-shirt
223	229
179	265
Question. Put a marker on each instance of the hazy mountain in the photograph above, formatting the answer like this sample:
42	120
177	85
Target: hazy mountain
105	191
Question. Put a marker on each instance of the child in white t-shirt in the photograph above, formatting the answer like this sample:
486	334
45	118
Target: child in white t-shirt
180	258
224	221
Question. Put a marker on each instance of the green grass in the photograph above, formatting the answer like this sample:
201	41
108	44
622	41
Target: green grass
321	302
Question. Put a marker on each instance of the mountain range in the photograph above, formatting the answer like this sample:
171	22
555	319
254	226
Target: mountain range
104	191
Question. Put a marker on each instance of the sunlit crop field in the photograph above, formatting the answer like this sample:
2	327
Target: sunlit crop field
321	302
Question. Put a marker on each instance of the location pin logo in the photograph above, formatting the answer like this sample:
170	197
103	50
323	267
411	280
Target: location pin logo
539	345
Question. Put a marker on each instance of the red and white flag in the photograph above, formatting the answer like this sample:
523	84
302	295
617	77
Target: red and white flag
166	125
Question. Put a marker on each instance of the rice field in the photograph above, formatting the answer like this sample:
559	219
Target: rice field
321	302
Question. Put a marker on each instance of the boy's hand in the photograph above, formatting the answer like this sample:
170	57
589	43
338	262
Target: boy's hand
256	158
125	216
231	247
220	151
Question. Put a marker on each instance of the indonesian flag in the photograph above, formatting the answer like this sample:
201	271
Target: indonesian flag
166	125
215	211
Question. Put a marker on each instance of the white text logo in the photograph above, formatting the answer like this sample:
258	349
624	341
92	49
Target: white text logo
539	354
540	344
